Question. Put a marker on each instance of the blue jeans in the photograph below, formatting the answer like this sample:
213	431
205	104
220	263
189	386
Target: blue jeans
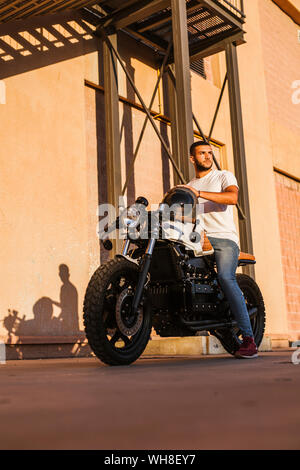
226	256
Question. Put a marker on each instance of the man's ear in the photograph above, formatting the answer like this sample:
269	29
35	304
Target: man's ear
192	158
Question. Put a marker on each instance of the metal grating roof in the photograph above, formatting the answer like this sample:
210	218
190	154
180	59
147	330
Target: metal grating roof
17	9
205	23
150	21
209	21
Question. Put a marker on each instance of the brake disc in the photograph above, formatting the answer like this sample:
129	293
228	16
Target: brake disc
128	323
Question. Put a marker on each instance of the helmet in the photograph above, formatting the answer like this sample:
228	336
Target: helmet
182	202
180	205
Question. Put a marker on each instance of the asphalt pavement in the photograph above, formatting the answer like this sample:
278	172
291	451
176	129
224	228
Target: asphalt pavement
207	402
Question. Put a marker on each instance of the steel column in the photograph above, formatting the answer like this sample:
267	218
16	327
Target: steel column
184	125
113	156
173	112
239	151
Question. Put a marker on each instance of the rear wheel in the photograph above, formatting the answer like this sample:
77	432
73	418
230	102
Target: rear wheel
232	338
115	335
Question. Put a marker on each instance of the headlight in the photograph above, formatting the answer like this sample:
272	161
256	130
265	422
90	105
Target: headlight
131	217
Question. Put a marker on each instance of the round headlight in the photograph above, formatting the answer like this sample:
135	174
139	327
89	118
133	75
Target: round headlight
133	213
131	217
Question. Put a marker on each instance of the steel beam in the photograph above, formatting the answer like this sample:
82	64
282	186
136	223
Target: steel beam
150	39
214	46
153	41
239	151
140	13
113	156
173	113
125	10
165	17
184	125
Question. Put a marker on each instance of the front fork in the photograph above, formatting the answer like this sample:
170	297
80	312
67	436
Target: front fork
144	269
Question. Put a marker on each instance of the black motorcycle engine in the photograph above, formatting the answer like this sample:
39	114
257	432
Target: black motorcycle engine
203	297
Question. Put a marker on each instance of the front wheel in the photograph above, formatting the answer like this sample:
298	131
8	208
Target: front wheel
231	338
115	335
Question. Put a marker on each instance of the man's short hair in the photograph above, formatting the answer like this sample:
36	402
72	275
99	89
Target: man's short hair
198	143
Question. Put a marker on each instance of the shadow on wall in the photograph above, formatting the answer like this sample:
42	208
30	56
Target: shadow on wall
47	328
33	43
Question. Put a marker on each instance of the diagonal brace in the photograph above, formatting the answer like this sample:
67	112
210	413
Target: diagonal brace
165	146
217	108
161	72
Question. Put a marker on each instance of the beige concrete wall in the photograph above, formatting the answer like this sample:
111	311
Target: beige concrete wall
94	145
44	199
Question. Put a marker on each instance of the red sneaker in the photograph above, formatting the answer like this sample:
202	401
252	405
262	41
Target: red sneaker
247	349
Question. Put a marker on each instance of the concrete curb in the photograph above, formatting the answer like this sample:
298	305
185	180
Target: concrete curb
192	346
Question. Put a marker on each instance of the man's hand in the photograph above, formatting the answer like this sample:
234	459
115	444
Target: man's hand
195	191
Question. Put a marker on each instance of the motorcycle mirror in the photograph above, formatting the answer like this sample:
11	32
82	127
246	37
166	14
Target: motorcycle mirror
142	200
107	244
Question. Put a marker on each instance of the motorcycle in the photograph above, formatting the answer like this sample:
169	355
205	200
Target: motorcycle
166	279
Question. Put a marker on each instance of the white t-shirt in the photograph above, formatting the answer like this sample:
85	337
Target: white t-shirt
217	219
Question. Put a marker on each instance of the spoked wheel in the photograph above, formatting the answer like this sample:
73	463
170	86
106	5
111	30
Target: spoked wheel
232	338
115	335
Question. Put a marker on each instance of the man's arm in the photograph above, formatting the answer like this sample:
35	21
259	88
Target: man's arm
228	196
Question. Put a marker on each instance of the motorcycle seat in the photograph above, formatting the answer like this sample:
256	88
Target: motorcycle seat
246	256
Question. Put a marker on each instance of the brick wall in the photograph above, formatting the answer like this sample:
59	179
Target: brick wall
288	202
281	52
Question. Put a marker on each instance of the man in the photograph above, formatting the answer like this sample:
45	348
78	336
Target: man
217	191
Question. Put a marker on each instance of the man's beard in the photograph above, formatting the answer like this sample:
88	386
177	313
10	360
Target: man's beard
201	167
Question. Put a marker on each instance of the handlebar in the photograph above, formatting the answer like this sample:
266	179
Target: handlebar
106	242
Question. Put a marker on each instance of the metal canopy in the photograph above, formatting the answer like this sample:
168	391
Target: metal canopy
209	22
20	9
